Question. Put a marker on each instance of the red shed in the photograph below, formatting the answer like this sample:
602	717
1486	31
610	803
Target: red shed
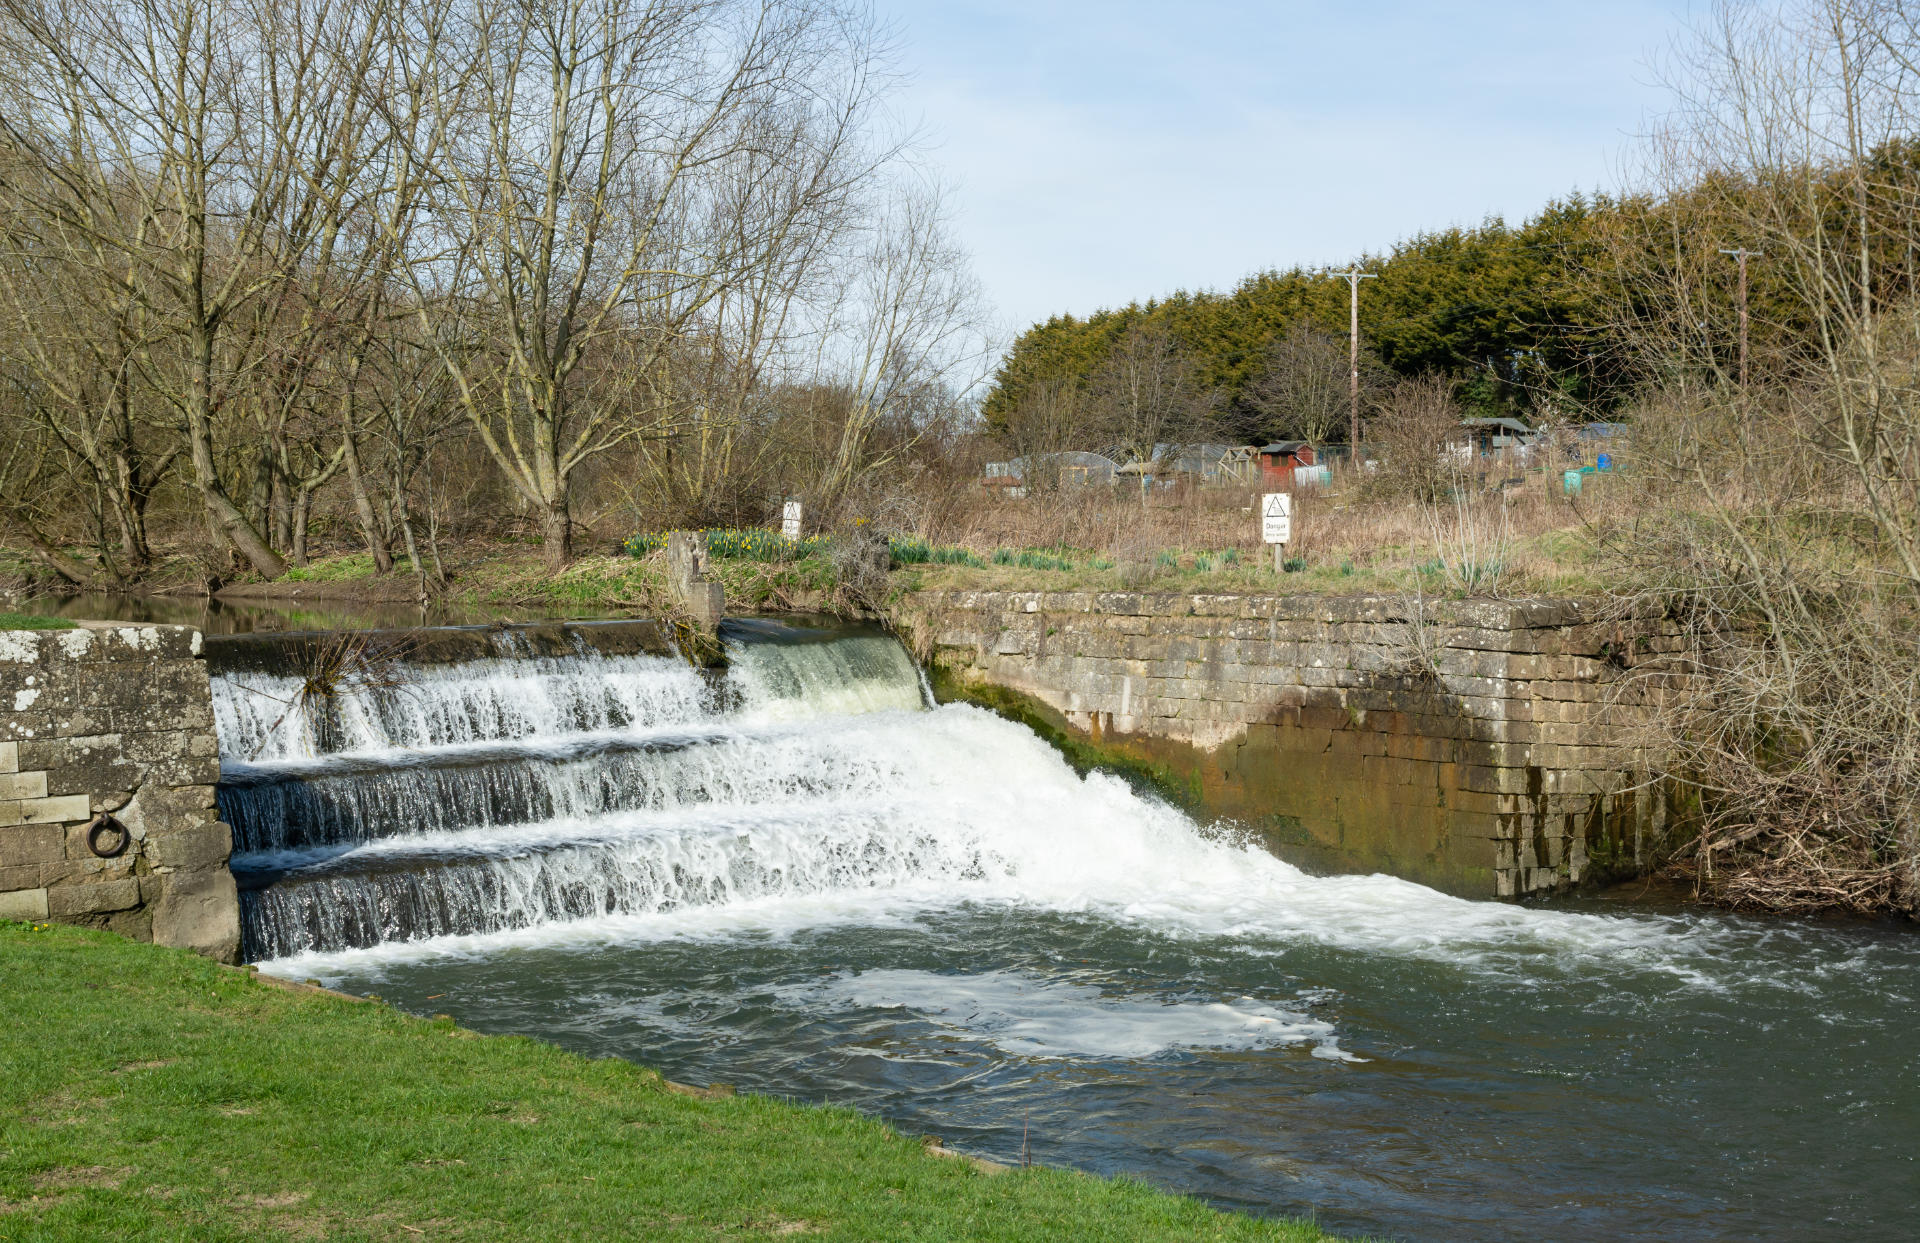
1277	460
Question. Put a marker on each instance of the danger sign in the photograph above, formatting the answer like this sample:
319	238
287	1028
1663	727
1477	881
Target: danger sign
1276	517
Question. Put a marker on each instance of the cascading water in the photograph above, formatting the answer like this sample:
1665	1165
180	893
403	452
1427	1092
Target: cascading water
500	794
798	877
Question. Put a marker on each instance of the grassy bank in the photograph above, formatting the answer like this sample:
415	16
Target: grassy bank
507	576
498	576
150	1094
27	621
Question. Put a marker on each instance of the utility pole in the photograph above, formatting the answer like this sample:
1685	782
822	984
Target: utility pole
1353	276
1743	255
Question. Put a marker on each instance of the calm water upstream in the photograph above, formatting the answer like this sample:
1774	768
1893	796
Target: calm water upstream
799	880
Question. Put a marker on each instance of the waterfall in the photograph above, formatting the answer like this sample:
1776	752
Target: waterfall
561	796
507	790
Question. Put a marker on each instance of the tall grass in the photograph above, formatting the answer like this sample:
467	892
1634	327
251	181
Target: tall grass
738	544
908	550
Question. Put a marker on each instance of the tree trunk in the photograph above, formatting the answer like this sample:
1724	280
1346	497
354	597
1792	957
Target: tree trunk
402	511
297	545
241	535
281	504
362	503
556	534
223	513
43	550
143	479
110	481
260	495
433	531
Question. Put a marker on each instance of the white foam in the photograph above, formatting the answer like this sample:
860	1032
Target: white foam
265	718
789	681
1013	825
1036	1018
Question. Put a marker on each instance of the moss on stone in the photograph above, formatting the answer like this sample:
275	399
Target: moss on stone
1083	753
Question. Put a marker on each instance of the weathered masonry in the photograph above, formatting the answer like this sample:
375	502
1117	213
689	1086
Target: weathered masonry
110	760
1485	748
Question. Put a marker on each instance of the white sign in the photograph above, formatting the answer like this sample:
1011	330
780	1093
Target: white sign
790	520
1276	517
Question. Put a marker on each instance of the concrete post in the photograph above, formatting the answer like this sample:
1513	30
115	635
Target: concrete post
687	578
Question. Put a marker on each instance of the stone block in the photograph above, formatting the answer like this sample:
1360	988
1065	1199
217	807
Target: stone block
24	904
21	786
31	844
198	911
64	901
54	810
139	643
1490	780
188	849
21	725
81	866
87	764
25	876
9	757
185	771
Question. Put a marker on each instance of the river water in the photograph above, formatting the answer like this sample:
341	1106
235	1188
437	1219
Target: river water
799	879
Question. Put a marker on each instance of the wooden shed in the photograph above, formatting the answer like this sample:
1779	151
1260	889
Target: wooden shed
1278	459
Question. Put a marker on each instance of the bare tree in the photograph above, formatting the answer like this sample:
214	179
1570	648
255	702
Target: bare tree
1782	521
1410	431
79	340
189	151
585	163
1144	394
910	323
1301	389
1050	416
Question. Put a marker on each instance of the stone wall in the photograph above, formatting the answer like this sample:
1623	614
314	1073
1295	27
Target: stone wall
114	721
1486	748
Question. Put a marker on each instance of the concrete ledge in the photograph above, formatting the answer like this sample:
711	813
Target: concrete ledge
1324	717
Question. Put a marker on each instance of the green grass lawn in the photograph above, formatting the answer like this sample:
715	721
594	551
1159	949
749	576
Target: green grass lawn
621	582
333	569
27	621
150	1094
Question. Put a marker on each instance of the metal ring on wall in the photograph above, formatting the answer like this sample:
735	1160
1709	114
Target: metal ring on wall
101	825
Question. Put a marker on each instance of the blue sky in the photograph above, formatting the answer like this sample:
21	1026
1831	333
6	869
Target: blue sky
1108	151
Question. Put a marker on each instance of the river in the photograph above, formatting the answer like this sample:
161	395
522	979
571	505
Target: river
800	879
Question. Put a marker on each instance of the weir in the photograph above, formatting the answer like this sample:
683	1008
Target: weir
793	875
390	787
